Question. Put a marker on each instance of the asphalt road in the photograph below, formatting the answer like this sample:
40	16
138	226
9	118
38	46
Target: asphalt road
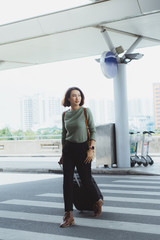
31	207
29	162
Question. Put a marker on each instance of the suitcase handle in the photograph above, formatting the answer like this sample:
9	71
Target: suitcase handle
75	176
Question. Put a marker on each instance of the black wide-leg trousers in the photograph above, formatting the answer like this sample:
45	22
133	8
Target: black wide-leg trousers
74	155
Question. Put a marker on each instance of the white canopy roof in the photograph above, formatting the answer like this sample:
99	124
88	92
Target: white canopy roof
75	33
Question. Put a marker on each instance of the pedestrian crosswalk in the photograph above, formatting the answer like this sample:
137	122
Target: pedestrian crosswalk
137	181
103	224
131	205
8	234
131	192
129	186
115	199
123	210
132	200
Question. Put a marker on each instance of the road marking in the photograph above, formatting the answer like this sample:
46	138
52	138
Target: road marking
145	177
108	198
134	211
58	195
135	181
85	222
34	203
133	200
128	186
130	192
13	234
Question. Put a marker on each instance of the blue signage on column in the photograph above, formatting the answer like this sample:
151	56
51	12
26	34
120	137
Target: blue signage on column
109	64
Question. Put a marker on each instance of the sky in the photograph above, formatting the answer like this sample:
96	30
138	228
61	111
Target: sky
142	73
54	79
50	79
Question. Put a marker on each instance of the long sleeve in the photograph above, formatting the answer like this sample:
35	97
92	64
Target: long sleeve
74	126
91	124
63	130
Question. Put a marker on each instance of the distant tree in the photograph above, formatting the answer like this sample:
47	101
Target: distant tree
42	133
49	132
19	133
6	132
57	132
30	134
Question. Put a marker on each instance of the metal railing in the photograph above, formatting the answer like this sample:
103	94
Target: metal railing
31	137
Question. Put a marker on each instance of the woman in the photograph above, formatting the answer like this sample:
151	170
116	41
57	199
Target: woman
76	152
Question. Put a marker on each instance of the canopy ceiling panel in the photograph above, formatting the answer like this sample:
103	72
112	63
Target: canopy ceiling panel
43	50
76	32
146	26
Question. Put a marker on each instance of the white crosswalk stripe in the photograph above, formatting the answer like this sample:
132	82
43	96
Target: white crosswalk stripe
144	177
140	181
107	198
130	192
137	211
10	234
128	186
52	195
34	203
44	201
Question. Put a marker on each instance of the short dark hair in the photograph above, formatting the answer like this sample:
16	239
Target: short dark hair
66	102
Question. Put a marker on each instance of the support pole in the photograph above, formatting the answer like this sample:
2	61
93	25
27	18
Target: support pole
121	117
121	109
134	45
109	43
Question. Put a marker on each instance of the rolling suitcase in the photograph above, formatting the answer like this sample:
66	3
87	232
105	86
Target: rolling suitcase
81	198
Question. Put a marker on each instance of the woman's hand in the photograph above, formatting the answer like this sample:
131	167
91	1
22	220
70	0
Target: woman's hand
60	161
90	155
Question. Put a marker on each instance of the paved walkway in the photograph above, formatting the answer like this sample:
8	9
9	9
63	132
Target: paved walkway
39	164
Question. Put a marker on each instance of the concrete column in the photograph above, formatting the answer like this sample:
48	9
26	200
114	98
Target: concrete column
121	117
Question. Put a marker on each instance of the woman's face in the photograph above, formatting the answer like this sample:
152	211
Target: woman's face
75	98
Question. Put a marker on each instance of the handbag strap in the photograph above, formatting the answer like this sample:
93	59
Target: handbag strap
85	115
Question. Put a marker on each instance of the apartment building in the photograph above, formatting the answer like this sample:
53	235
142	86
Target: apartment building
156	97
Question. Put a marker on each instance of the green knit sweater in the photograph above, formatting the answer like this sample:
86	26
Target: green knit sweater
74	126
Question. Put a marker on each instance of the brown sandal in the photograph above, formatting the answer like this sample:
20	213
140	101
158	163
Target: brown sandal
97	208
68	220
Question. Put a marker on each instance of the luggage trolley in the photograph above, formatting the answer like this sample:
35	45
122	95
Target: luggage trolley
147	137
134	139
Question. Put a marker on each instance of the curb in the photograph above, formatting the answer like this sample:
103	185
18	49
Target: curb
94	171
